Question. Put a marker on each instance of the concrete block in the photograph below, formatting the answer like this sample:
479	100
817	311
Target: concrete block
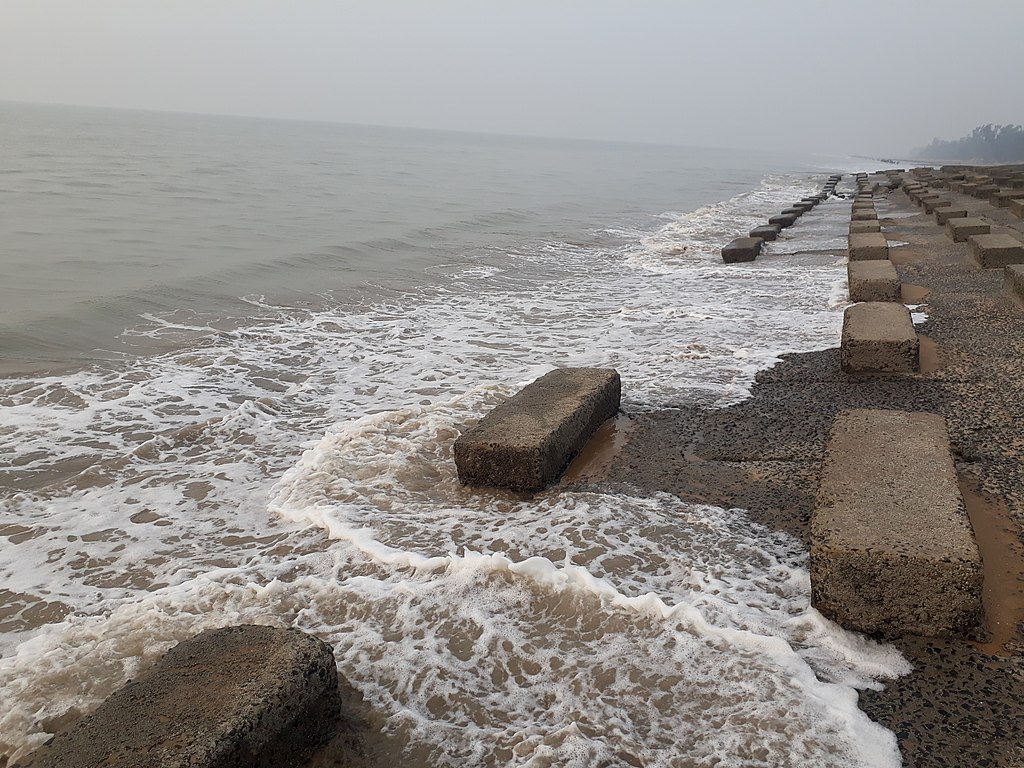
865	226
237	696
984	191
865	214
878	337
958	230
1002	198
783	220
873	281
791	211
803	206
967	188
892	549
996	250
742	249
766	232
865	246
1013	279
526	442
930	206
942	215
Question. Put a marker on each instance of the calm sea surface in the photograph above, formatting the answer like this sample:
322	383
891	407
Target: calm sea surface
235	355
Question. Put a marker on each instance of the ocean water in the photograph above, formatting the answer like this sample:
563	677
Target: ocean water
236	354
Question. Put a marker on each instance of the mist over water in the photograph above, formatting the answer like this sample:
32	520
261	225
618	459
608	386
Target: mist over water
240	351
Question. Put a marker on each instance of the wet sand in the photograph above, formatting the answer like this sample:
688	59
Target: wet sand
963	705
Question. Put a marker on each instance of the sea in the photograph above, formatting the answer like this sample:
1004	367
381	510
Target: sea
235	354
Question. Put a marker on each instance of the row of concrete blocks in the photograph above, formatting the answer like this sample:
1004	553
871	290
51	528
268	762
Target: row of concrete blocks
989	250
748	248
1001	190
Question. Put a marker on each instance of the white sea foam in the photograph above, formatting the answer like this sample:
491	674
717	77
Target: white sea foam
297	470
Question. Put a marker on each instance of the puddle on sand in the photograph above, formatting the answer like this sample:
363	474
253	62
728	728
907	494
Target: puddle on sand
1002	554
596	458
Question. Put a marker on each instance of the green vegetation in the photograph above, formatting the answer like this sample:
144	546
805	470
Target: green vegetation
986	144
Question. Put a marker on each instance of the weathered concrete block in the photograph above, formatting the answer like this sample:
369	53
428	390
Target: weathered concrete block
967	188
865	226
960	229
1013	279
1002	198
863	246
1017	208
865	214
783	220
791	211
984	191
863	205
238	696
996	250
526	442
742	249
942	215
873	281
803	207
878	337
931	205
766	232
892	548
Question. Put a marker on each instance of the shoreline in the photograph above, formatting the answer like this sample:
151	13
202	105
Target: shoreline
964	702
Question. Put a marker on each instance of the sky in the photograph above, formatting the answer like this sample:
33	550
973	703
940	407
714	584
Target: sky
873	77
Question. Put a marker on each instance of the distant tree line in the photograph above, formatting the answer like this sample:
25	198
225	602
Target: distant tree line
985	144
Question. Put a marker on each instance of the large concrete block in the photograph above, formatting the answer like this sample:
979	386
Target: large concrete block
238	696
1002	198
942	215
873	281
742	249
865	226
879	337
1013	279
996	250
868	245
958	230
526	442
865	214
930	206
1017	208
783	220
892	548
766	232
984	191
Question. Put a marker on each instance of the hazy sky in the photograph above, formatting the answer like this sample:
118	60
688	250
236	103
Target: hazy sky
868	77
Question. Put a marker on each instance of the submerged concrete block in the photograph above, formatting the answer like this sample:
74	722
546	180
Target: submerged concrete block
742	249
942	215
892	549
865	226
873	281
958	230
878	337
783	220
238	696
996	250
526	442
766	232
868	245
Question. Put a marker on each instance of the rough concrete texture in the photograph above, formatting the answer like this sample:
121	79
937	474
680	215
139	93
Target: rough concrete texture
865	226
958	230
985	191
864	214
742	249
526	442
767	232
237	697
995	250
878	337
1002	198
1017	208
873	281
942	215
892	549
783	220
865	246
